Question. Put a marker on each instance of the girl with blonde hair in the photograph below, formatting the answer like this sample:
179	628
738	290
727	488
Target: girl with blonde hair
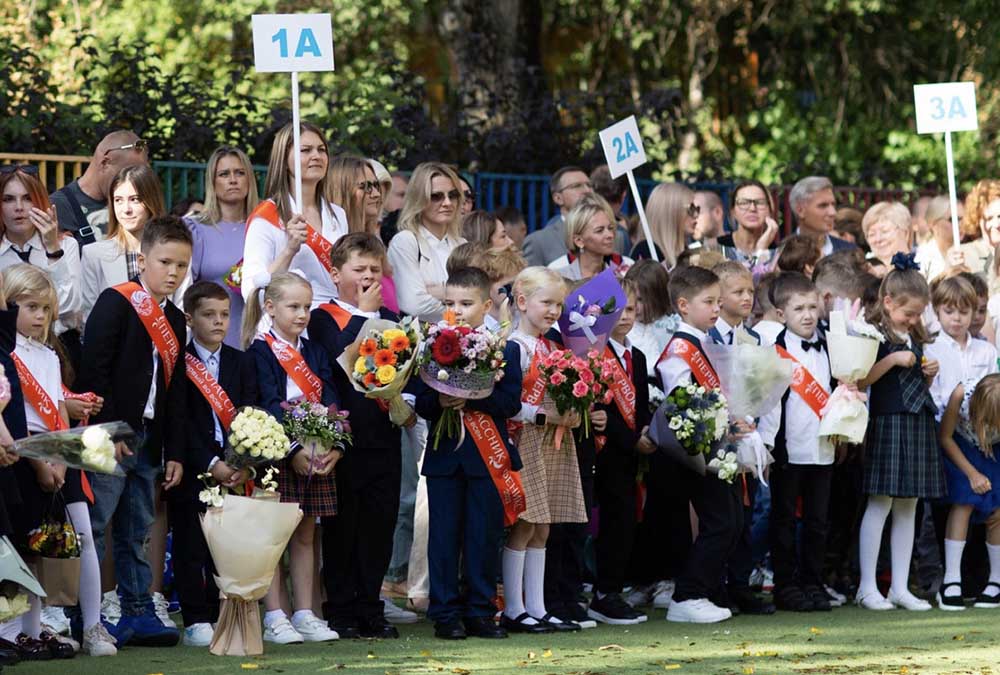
672	216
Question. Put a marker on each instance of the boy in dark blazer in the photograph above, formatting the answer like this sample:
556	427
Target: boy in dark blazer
206	306
133	357
626	419
357	543
466	512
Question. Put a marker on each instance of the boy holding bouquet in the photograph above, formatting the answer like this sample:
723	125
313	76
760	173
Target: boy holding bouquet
696	295
466	512
357	543
220	380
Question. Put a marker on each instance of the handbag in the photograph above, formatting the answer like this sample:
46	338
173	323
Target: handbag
57	565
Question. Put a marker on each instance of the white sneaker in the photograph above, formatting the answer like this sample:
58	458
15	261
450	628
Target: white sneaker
638	596
97	641
908	601
111	607
198	635
701	610
873	601
395	614
161	606
836	599
55	618
314	629
663	593
281	632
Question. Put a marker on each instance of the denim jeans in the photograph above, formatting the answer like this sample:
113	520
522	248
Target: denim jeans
127	503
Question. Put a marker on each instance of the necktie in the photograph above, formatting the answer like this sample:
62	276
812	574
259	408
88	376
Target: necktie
818	345
23	255
628	363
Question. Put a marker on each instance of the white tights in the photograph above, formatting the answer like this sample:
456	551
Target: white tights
904	513
90	568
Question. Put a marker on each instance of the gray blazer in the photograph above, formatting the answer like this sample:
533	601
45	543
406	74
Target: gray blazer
547	244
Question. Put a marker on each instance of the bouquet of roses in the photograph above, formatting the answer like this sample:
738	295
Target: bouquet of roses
591	312
90	448
255	438
318	428
457	360
380	362
690	426
575	383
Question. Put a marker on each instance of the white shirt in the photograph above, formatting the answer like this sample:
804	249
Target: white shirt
958	365
768	330
652	338
571	270
675	372
150	411
211	361
931	260
355	311
419	271
65	273
265	242
43	363
801	423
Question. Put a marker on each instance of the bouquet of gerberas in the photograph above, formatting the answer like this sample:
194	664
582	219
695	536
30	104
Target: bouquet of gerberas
575	383
690	427
255	438
90	448
381	361
318	428
461	361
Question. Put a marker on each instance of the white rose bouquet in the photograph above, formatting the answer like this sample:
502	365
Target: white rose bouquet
853	347
255	437
90	448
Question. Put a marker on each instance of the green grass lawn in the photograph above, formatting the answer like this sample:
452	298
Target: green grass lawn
848	640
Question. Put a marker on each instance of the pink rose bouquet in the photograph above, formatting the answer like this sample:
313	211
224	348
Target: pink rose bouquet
575	383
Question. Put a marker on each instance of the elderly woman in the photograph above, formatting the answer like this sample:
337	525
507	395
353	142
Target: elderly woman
939	254
590	238
887	231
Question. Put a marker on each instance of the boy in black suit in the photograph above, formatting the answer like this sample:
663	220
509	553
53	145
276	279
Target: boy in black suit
228	375
625	422
133	356
357	543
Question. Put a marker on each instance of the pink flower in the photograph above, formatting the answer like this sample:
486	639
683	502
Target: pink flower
608	396
557	378
587	375
606	372
580	389
593	355
595	389
579	364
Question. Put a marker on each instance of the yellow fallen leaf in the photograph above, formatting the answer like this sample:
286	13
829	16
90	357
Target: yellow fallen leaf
608	647
815	631
547	654
460	671
372	655
425	652
249	666
671	666
958	638
904	670
748	670
532	655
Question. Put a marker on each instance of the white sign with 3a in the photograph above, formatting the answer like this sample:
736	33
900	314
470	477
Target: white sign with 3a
946	106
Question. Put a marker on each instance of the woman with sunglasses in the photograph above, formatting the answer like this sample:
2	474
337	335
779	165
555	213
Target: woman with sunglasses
284	236
751	208
429	230
219	231
672	216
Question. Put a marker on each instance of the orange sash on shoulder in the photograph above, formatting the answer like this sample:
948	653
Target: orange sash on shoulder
483	431
319	244
296	368
156	324
533	386
622	388
337	313
210	388
805	385
701	369
39	399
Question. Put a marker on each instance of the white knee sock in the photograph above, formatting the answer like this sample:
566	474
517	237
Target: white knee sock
90	568
953	549
513	582
273	615
31	621
872	525
904	515
994	552
534	582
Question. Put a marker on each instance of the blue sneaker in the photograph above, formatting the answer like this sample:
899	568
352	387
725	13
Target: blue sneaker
147	630
121	633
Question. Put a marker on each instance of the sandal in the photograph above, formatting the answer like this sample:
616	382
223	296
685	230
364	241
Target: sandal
984	601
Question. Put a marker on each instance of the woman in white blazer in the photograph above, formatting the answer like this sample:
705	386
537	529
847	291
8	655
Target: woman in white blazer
134	198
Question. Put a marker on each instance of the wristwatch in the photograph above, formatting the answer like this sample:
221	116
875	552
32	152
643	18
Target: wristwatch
540	419
55	256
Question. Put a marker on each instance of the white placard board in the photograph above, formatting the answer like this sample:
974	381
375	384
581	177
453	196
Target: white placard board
623	146
946	106
287	43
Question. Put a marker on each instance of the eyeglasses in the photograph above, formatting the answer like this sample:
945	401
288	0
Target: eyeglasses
576	186
138	145
751	204
694	210
29	169
370	186
469	195
452	195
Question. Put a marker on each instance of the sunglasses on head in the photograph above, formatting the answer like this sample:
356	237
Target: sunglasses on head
438	197
29	169
138	145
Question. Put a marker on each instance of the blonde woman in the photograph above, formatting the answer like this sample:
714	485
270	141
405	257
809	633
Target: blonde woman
590	240
283	236
939	254
887	230
219	232
672	216
429	230
135	197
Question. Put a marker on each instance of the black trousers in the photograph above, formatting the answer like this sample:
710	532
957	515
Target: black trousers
719	506
565	550
194	571
357	542
847	504
662	540
614	489
811	483
740	563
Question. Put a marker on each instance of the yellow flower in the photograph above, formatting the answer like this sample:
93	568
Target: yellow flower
359	365
386	374
391	334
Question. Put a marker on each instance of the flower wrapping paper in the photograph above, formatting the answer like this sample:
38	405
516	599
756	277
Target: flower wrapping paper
582	316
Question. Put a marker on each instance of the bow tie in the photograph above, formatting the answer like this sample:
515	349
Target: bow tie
818	345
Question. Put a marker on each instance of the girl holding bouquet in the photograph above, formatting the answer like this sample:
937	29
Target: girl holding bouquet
902	460
551	477
290	368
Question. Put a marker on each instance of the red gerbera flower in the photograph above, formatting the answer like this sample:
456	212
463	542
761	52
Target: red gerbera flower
385	357
446	349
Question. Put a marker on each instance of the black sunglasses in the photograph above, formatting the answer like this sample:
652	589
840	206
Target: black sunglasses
470	196
370	186
452	195
29	169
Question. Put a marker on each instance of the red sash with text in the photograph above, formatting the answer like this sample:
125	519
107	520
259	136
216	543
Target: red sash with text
156	324
210	388
622	388
532	386
701	369
319	244
296	367
805	385
483	431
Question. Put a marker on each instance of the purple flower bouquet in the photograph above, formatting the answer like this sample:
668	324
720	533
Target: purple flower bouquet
590	312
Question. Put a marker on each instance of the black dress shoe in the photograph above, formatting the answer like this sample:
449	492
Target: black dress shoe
30	649
59	649
484	627
558	625
346	631
451	630
8	653
818	597
377	627
518	625
792	599
748	603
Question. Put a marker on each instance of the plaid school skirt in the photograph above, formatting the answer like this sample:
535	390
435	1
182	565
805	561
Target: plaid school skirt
316	495
551	477
902	458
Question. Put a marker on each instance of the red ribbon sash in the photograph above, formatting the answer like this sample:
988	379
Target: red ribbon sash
483	431
701	369
39	399
319	244
805	385
622	388
210	388
533	386
295	366
156	324
337	313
